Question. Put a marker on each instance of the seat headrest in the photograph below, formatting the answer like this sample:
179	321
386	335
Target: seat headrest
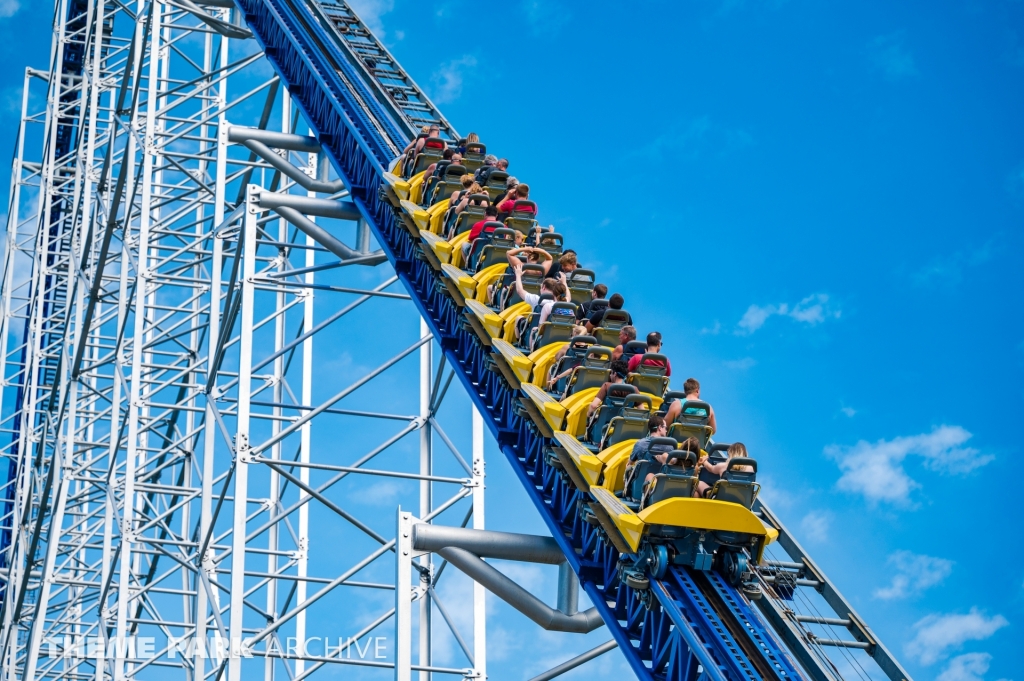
434	143
533	269
546	296
503	233
524	206
640	398
579	274
635	347
476	148
741	461
583	340
455	170
478	199
597	303
552	237
496	176
671	394
492	225
563	309
599	352
621	390
611	315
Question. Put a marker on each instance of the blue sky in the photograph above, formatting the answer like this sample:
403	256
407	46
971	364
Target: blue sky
820	206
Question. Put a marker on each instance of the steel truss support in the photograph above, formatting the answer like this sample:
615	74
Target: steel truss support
206	403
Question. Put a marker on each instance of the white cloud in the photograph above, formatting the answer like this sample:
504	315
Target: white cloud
914	574
815	526
967	667
712	330
937	635
848	411
448	79
891	56
876	469
741	364
8	8
812	310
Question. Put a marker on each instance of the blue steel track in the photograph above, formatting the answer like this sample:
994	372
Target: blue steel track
678	635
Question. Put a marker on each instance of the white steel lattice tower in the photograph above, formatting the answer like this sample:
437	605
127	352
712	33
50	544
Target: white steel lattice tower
209	417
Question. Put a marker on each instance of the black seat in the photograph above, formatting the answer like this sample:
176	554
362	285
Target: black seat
692	422
432	151
592	371
631	423
532	276
737	486
581	283
611	323
474	212
573	357
633	347
486	235
522	217
649	377
609	409
672	481
552	243
448	184
557	327
496	184
501	242
473	157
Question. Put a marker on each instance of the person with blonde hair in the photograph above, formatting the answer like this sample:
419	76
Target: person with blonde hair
737	450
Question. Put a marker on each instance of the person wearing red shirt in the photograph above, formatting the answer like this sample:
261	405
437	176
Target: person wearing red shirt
520	193
653	345
477	230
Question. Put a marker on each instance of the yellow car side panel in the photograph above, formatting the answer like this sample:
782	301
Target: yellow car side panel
543	358
628	523
416	186
441	248
466	283
486	277
437	213
517	361
554	413
400	186
457	248
491	322
509	314
586	463
703	514
615	466
576	406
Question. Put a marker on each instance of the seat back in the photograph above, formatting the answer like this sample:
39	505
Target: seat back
738	486
496	184
558	326
581	283
633	347
592	371
634	487
486	236
522	217
432	151
572	358
692	422
502	241
650	378
611	323
609	409
631	424
532	276
474	212
669	397
682	431
552	243
473	157
450	183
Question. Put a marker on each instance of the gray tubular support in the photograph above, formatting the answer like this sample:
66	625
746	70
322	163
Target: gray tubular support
327	208
519	598
326	239
569	665
568	590
287	168
488	544
219	25
278	140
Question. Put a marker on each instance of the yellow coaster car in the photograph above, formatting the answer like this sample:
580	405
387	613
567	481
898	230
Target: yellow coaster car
658	522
